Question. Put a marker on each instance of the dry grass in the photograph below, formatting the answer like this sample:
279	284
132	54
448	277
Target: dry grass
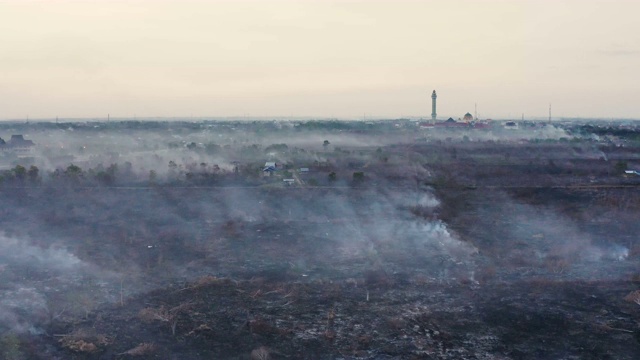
163	314
78	345
486	274
633	297
84	341
557	265
207	280
634	252
261	353
154	314
140	350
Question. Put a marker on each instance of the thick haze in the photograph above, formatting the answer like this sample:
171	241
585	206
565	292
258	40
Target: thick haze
318	58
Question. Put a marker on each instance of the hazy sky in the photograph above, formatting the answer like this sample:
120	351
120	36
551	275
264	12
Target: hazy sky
319	58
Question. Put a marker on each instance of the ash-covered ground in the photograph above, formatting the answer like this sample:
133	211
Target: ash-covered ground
390	243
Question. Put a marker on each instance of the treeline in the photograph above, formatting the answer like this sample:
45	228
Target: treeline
20	175
621	132
193	174
73	174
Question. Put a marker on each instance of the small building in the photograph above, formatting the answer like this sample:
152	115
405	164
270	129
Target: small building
322	164
481	125
303	170
289	182
511	125
17	144
467	117
450	123
270	166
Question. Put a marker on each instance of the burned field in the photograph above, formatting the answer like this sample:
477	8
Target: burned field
406	318
444	249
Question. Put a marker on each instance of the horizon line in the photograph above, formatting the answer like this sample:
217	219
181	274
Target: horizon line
294	118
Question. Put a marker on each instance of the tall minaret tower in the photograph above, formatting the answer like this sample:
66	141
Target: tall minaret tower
433	105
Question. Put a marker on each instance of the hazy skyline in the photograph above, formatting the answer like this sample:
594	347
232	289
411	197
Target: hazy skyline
318	58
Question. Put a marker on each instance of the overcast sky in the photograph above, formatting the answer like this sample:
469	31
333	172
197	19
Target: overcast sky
319	58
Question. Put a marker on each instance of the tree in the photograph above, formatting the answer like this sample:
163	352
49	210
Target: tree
620	167
326	143
358	176
32	174
73	172
153	176
173	170
276	148
19	172
112	170
104	178
332	176
212	148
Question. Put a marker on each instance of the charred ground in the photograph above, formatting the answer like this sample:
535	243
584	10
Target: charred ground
444	244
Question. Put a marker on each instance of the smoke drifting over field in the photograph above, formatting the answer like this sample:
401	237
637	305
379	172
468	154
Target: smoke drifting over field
28	273
180	235
545	239
14	251
151	146
23	310
113	212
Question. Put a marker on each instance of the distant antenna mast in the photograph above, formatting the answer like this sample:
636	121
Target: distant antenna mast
549	112
476	111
